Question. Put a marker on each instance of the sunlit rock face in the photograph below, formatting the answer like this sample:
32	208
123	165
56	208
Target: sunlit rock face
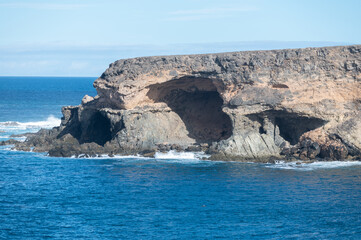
301	103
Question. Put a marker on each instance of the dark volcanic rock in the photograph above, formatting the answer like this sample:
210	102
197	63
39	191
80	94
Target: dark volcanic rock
235	106
8	142
22	135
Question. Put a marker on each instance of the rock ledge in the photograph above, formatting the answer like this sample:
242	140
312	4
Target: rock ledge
293	104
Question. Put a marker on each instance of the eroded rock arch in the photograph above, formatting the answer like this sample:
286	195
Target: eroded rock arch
198	104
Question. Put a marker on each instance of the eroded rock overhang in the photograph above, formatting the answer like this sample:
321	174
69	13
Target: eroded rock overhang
297	102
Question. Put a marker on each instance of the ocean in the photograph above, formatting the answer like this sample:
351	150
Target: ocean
172	196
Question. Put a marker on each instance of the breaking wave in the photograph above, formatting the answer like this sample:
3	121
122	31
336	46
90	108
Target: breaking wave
158	155
50	122
106	156
168	157
313	166
180	155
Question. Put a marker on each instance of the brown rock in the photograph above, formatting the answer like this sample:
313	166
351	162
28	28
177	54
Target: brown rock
241	105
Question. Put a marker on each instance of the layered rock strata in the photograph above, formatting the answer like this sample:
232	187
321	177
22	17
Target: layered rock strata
297	103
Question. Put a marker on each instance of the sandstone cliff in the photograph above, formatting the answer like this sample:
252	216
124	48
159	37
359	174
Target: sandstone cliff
303	103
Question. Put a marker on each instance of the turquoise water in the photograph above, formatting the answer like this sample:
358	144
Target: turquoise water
172	197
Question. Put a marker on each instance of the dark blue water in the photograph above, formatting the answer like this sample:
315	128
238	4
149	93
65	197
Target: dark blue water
35	98
134	198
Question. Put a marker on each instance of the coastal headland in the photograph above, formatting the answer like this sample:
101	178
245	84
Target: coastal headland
255	106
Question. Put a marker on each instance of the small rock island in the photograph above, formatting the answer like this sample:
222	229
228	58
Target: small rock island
251	106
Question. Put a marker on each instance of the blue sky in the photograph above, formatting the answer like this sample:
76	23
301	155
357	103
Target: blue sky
81	38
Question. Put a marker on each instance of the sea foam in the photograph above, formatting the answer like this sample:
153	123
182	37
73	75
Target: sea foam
180	155
313	166
50	122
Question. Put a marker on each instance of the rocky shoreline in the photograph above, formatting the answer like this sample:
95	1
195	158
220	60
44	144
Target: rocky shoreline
294	104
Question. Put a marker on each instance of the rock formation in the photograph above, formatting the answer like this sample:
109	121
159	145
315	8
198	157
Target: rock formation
301	103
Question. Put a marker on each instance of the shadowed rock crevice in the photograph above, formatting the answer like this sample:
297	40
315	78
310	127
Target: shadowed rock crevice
198	104
93	126
73	126
292	126
288	126
97	130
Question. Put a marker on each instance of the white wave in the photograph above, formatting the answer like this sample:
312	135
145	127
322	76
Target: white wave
165	158
313	166
168	157
9	123
158	155
50	122
180	155
20	139
6	147
106	156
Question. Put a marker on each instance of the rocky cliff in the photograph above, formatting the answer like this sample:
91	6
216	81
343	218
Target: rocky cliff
297	103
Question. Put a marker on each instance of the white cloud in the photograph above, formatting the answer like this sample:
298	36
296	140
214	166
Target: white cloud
205	13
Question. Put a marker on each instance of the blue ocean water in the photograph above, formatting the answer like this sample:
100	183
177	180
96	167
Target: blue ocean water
36	98
29	103
174	196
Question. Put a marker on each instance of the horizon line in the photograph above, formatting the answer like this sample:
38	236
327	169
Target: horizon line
2	76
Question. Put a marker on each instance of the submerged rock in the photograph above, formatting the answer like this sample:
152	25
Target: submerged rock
301	103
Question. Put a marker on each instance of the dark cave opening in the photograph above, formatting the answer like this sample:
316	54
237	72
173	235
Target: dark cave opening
98	130
292	126
198	104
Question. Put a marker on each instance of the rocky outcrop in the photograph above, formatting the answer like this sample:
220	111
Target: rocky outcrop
298	103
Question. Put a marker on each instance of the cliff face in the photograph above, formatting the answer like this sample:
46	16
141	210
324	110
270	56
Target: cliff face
303	103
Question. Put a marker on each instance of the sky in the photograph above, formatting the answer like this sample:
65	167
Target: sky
81	38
